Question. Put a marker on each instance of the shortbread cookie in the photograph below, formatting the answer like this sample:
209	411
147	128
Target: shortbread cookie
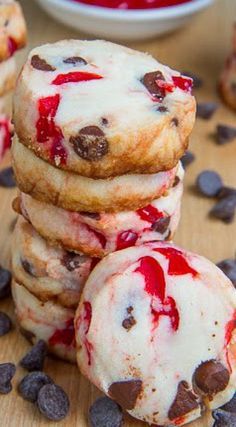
12	28
97	234
7	76
48	272
77	193
45	321
169	347
102	110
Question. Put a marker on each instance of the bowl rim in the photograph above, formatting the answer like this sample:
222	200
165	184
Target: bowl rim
188	8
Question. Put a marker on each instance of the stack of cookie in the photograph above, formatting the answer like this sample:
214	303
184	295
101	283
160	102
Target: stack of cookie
100	131
12	38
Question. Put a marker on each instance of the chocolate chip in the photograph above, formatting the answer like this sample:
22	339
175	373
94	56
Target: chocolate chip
225	192
149	81
92	215
225	134
184	402
53	402
5	324
205	110
211	377
75	60
104	121
175	121
130	309
129	323
197	81
223	418
209	183
7	372
126	393
225	209
176	181
5	283
90	143
228	266
162	109
34	359
187	159
72	261
30	336
40	64
161	225
231	405
105	413
27	266
7	178
31	384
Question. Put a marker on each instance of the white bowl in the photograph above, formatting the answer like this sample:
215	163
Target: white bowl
122	24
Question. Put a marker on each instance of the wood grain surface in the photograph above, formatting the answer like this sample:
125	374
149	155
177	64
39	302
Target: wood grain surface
200	47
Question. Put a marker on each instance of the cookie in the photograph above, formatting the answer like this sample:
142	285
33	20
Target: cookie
76	193
227	83
45	321
169	344
12	28
102	110
48	272
98	234
8	75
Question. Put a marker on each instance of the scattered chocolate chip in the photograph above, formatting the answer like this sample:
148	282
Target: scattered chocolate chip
211	377
161	225
92	215
225	192
5	283
5	324
231	405
31	384
129	323
104	121
105	413
162	109
175	121
7	178
209	183
184	402
223	418
75	60
228	266
72	261
197	81
225	209
34	359
53	402
187	159
126	393
205	110
225	134
149	81
30	336
90	143
40	64
27	266
7	372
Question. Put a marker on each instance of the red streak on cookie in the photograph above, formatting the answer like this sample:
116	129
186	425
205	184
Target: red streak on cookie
12	46
100	237
75	77
150	214
184	83
178	265
48	131
5	135
64	336
155	285
126	239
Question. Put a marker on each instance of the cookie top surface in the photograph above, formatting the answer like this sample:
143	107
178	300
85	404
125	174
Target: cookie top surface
95	107
169	326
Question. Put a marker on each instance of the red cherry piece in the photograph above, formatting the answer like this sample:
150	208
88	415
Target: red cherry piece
126	239
184	83
6	132
75	77
177	263
64	336
168	87
230	327
150	214
12	46
48	106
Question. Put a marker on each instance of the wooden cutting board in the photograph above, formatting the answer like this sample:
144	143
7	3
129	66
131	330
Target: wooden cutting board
200	47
